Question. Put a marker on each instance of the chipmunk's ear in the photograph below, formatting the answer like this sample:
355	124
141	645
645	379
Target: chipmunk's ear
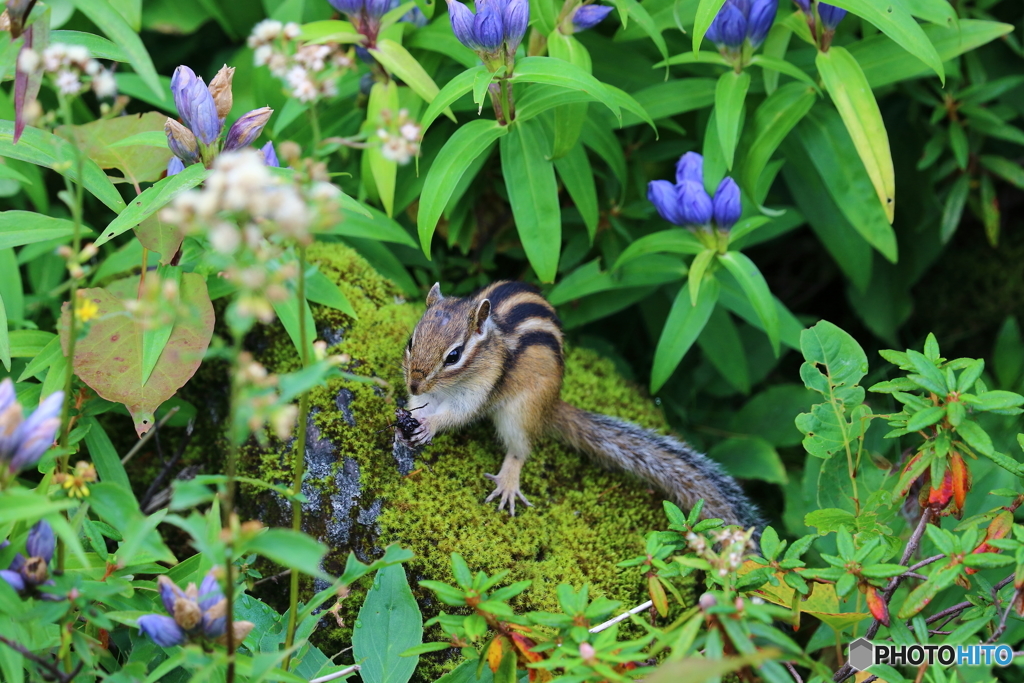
480	316
434	295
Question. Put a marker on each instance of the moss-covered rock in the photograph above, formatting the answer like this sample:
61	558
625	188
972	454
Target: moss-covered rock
364	493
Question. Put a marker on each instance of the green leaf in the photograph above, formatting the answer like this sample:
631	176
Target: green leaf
373	224
321	289
824	140
110	21
43	360
557	72
45	149
644	20
730	94
22	505
452	91
29	343
704	57
291	549
674	97
288	313
152	200
697	269
773	121
5	339
1010	171
18	228
849	90
104	455
706	12
925	418
750	458
115	143
98	47
757	292
389	623
398	61
769	63
330	31
568	118
673	241
109	358
468	142
533	194
684	324
895	21
953	209
720	341
578	177
383	170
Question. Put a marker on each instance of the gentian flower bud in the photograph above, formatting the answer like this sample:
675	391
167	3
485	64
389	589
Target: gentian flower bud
41	541
247	128
663	195
732	26
690	167
589	16
694	203
488	26
35	434
209	591
174	166
347	6
830	15
375	9
215	619
181	141
10	419
162	630
462	24
760	20
516	18
13	579
269	155
804	5
203	118
220	90
168	592
416	17
35	571
727	204
181	85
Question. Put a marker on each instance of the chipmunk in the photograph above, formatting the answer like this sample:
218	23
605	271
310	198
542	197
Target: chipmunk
498	354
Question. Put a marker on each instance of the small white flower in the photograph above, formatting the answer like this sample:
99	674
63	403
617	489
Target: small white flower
410	131
262	55
291	30
28	61
78	55
54	57
757	600
68	83
397	149
225	238
303	88
313	57
104	85
264	32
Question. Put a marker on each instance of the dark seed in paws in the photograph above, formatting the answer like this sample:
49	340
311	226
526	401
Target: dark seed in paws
406	423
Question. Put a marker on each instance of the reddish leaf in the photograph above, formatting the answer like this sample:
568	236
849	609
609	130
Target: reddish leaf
525	647
494	653
877	605
138	163
961	480
1000	527
26	86
939	498
657	592
163	238
109	358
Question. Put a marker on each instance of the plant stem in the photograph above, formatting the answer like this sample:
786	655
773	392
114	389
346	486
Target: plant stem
299	455
314	124
228	509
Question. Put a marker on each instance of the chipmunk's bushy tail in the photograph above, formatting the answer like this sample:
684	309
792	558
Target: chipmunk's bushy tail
666	464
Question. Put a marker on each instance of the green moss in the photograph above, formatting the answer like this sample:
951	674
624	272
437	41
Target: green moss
583	521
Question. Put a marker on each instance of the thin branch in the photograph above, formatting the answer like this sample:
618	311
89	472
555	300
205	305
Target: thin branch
793	672
925	563
148	435
1002	622
51	668
622	617
275	577
336	674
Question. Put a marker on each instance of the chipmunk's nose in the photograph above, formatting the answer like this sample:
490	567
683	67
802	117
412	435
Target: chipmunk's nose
414	386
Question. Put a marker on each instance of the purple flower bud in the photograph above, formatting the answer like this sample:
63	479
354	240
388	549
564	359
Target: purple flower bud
589	16
804	5
694	203
214	627
516	18
7	394
181	141
17	563
209	591
246	129
10	419
168	592
203	119
270	155
727	204
347	6
760	20
732	26
830	15
35	434
416	17
174	166
462	24
663	195
375	9
13	578
488	26
41	541
690	167
181	85
162	630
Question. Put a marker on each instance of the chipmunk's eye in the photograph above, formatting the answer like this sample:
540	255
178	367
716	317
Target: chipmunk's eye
453	356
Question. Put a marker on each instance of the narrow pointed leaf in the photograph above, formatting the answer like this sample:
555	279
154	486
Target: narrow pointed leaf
685	323
730	94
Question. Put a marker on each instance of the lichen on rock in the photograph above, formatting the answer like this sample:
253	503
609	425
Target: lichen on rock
364	493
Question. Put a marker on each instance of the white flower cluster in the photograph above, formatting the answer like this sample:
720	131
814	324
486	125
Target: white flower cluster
310	71
69	64
399	137
246	212
732	543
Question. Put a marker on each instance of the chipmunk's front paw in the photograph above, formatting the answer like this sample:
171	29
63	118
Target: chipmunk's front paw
416	435
508	490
